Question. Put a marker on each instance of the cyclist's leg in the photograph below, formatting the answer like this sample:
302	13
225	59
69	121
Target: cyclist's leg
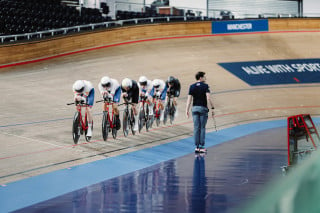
150	101
135	101
90	102
150	105
161	101
116	100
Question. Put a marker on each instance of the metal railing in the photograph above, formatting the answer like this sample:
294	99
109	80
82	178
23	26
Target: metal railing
103	25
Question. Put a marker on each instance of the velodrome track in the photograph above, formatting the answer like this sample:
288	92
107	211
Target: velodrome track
35	122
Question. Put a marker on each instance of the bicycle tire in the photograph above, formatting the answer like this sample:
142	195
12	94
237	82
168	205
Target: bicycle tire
141	120
147	118
76	128
105	129
125	122
114	128
157	117
166	112
132	122
172	112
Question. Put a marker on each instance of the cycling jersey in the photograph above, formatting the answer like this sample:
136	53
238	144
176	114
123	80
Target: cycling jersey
88	92
147	90
113	90
175	88
133	92
161	90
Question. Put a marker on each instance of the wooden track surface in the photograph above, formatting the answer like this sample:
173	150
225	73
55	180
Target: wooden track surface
35	122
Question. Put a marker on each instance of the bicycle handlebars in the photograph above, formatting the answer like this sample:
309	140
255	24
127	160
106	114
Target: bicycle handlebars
78	103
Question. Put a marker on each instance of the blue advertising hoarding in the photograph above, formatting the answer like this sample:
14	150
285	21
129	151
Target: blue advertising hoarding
240	26
293	71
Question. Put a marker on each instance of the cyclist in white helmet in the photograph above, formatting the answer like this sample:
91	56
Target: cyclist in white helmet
110	89
160	90
130	91
146	90
84	92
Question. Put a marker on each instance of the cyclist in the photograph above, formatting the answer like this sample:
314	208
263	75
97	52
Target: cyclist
110	89
174	87
130	91
84	92
146	90
160	90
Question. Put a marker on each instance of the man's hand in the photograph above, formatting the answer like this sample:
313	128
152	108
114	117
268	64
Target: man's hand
124	95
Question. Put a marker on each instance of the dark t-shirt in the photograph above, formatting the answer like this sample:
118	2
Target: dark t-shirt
133	92
198	91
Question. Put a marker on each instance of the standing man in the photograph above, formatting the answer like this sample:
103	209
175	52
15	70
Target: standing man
199	93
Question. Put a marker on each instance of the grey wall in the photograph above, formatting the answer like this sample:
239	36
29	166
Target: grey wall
254	7
311	8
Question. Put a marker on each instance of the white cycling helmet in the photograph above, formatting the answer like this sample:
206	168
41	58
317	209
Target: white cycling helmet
156	83
143	80
78	86
126	83
105	81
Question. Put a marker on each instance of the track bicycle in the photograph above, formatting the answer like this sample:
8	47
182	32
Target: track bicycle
128	118
144	117
169	110
80	122
108	121
156	109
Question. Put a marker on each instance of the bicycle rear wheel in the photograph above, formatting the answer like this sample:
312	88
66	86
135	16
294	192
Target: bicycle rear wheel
172	112
125	123
147	118
76	128
132	122
114	128
157	117
141	120
105	126
166	112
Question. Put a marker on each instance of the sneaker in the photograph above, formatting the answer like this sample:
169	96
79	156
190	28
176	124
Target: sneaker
202	149
196	150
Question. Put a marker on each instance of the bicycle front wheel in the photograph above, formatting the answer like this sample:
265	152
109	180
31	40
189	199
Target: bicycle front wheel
105	126
76	128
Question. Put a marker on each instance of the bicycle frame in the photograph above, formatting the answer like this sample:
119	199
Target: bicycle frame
144	100
129	113
156	101
79	107
110	118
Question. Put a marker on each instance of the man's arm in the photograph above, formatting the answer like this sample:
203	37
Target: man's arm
209	100
188	105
